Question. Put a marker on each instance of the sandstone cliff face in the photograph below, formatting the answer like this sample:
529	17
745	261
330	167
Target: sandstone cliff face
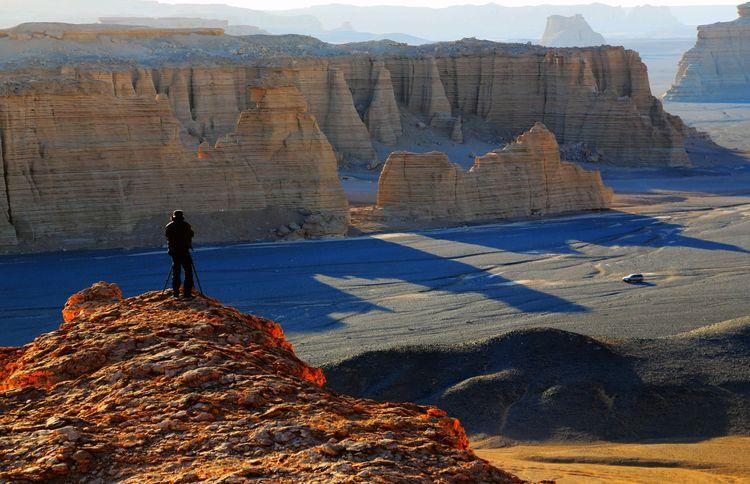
570	32
599	97
287	152
525	178
87	162
717	69
149	389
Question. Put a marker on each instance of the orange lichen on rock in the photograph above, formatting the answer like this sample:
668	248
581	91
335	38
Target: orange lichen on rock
152	388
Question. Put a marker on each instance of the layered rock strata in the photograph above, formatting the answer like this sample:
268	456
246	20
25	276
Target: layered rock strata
97	160
525	178
151	388
599	97
717	69
570	32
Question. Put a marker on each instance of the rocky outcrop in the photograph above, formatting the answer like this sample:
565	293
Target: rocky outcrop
87	162
290	156
570	32
382	115
598	96
717	69
525	178
152	388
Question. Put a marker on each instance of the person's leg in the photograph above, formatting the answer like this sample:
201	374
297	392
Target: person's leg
188	265
176	263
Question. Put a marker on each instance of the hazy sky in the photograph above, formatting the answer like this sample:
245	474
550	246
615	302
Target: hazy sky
286	4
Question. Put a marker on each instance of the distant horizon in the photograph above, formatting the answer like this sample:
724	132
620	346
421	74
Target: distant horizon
271	5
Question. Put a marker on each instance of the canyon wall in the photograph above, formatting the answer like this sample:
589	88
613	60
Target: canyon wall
597	96
717	69
90	162
523	179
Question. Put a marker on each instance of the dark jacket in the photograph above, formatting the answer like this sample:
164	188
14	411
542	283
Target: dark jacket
179	236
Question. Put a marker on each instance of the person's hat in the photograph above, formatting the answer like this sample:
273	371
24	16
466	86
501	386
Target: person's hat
177	215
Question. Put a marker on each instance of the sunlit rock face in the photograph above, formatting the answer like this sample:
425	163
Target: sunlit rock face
95	159
570	32
152	388
717	69
525	178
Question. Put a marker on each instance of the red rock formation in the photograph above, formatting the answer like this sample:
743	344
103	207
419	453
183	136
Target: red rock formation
525	178
151	388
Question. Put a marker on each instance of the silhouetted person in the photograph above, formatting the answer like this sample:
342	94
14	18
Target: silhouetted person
180	240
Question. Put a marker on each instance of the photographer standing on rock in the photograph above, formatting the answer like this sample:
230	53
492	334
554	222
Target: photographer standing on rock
180	240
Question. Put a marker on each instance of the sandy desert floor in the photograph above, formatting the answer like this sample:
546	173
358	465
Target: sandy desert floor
716	460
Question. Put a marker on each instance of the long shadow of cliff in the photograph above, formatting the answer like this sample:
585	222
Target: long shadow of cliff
560	236
306	288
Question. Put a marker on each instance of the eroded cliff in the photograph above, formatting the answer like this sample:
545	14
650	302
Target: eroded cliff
151	388
717	69
525	178
95	159
596	96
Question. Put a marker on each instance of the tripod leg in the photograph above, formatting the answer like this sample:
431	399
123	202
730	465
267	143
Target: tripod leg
171	269
195	273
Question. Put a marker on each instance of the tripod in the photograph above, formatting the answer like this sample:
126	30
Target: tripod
166	281
195	272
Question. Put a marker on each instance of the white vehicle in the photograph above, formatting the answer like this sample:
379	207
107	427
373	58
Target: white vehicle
633	278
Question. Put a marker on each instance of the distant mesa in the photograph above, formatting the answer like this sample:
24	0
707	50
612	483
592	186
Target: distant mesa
168	22
717	69
184	23
160	389
570	32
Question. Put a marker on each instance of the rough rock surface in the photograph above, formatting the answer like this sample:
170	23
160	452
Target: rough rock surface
151	388
717	69
91	160
572	31
290	156
596	96
525	178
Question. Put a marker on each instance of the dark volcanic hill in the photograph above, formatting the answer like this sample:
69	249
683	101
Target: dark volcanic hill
546	384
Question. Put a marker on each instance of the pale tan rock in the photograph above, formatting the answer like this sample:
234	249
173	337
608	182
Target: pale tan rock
417	84
717	69
571	31
596	96
525	178
154	389
86	168
382	117
284	147
330	101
